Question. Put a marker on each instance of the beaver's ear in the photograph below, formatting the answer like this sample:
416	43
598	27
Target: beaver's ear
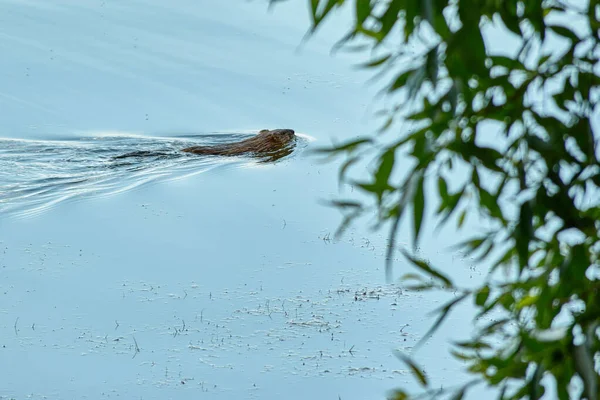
263	131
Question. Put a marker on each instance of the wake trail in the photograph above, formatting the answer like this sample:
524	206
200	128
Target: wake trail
38	174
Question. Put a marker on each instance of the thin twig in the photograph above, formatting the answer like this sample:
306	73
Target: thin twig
137	348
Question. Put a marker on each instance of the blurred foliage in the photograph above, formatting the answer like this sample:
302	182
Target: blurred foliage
507	137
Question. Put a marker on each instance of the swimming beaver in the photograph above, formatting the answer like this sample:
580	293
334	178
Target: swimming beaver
268	143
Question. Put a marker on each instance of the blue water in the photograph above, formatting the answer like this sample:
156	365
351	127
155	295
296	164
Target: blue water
175	276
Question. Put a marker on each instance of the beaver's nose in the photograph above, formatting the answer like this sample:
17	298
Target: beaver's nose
289	131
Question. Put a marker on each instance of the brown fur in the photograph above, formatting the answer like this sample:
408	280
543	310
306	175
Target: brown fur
267	143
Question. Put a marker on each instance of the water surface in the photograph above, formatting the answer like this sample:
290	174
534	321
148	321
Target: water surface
227	281
37	174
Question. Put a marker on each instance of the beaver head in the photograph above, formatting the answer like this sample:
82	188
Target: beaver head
282	136
272	144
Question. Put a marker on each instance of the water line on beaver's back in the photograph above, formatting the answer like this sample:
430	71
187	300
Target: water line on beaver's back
38	174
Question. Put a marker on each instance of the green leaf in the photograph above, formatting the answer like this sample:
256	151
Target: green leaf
565	32
348	219
535	389
345	147
467	48
442	188
543	59
319	17
536	18
376	62
363	10
401	80
420	287
411	276
377	36
416	371
482	295
461	218
451	204
460	394
345	204
524	234
443	312
344	168
386	165
475	345
368	187
399	395
432	65
389	18
425	267
511	22
507	62
584	364
418	208
526	301
494	326
314	5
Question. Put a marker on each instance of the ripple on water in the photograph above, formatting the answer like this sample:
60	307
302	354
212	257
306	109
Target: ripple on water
37	174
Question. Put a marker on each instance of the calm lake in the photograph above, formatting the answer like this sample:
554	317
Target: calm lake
188	277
